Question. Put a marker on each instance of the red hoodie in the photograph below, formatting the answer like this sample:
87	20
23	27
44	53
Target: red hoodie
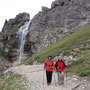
49	65
60	66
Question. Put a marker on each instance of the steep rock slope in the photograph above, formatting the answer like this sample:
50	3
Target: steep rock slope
48	26
64	17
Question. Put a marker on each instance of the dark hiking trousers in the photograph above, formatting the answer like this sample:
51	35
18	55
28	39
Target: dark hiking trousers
49	76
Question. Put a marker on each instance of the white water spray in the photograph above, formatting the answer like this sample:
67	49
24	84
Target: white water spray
23	31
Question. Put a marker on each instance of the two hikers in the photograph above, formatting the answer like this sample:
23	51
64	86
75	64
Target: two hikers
60	66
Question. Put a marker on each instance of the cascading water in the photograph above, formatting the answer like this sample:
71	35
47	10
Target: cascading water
23	31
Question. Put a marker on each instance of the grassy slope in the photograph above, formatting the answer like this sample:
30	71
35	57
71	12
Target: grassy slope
12	82
67	44
81	66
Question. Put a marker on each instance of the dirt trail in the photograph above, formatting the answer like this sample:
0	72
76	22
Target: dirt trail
36	77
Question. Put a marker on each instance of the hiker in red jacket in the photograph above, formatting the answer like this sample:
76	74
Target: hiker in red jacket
60	66
49	65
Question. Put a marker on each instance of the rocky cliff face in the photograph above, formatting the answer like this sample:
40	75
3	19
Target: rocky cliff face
9	41
64	17
49	25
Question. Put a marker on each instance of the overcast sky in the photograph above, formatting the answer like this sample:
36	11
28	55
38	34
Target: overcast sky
10	8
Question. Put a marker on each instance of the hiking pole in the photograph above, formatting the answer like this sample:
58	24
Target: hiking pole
43	72
43	76
66	77
54	80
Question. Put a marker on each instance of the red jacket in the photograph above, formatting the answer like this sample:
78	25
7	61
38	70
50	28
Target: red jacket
49	65
60	66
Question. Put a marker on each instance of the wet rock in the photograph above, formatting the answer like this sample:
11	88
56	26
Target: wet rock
9	41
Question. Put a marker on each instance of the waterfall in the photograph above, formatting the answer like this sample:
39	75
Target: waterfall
23	31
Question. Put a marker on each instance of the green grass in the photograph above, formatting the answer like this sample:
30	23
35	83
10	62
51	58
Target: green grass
14	28
12	82
81	66
9	32
69	42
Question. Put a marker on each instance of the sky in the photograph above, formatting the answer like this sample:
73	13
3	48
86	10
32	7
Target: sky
10	8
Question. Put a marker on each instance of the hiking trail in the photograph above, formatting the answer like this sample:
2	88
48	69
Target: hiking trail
36	77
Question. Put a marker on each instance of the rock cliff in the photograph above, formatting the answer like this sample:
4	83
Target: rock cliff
49	25
9	41
64	17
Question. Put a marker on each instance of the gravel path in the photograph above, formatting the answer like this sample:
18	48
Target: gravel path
37	79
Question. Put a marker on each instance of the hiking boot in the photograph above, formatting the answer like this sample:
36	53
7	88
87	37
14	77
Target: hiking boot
48	84
61	83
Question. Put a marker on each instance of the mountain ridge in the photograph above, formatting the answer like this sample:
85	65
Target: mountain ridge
46	27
